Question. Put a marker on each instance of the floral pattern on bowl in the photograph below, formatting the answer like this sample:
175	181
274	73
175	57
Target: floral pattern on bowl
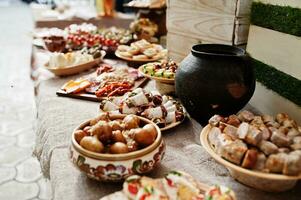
118	170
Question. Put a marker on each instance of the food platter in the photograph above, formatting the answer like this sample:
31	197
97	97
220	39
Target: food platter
259	180
93	97
135	60
70	70
159	79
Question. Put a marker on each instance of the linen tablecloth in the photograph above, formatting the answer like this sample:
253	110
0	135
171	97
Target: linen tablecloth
58	116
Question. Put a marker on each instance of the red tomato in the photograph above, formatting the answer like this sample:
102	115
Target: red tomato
133	188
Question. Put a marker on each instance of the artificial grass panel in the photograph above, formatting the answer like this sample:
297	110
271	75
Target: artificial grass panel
279	18
278	81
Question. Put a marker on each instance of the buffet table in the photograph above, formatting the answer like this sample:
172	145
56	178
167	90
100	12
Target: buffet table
58	116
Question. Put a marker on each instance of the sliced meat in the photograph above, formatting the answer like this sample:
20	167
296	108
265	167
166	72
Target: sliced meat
281	117
246	116
266	133
296	143
280	139
222	141
233	120
273	124
260	163
254	136
234	151
213	136
292	133
284	150
257	121
242	130
292	165
231	131
267	147
289	123
250	159
275	162
267	118
215	120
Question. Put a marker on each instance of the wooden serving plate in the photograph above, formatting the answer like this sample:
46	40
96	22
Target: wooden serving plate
136	60
73	69
93	97
159	79
262	181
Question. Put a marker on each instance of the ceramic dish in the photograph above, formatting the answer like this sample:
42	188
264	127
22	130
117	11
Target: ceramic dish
136	60
117	167
259	180
159	79
65	71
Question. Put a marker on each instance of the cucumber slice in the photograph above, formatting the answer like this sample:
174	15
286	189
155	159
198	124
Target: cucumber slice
159	73
168	74
149	69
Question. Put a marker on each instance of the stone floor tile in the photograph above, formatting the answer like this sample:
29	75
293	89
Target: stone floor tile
45	189
6	141
29	170
26	139
7	173
11	156
14	190
13	128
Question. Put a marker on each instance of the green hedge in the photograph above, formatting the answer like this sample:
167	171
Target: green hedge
280	82
279	18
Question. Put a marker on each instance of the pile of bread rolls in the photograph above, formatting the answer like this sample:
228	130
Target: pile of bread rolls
263	143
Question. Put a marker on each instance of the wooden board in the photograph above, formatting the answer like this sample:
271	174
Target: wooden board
207	26
291	3
183	47
267	101
93	97
277	49
241	31
211	6
176	56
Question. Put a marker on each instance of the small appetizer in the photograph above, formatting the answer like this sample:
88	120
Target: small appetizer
262	143
176	185
141	50
163	69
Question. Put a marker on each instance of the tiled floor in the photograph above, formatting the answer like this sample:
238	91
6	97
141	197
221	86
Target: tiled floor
20	174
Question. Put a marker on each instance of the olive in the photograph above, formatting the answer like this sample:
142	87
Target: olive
91	143
131	121
79	134
117	136
119	147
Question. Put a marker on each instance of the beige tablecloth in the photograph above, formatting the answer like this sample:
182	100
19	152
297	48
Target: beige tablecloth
58	116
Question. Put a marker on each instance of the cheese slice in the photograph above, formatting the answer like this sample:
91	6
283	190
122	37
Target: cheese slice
154	112
109	106
126	110
171	117
139	99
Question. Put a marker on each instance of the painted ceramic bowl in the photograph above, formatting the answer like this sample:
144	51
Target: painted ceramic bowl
117	167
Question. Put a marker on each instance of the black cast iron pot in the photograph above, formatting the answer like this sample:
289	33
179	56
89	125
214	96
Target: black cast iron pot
214	79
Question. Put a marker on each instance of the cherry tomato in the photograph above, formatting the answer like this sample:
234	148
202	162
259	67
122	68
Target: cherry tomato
133	188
